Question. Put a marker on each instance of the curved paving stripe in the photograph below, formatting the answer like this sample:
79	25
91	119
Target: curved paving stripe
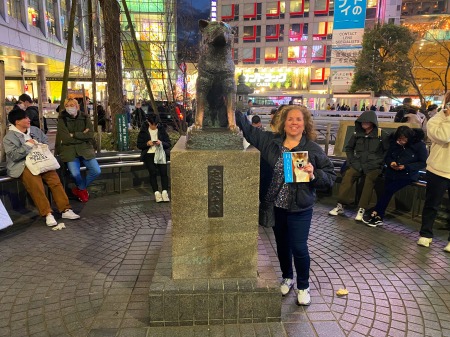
396	288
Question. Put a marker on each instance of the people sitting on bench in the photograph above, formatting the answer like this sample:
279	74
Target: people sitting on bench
365	153
18	142
407	154
76	133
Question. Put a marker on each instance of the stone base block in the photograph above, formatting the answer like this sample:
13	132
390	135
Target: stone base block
214	203
213	301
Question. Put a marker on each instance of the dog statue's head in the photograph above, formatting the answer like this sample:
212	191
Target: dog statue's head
216	33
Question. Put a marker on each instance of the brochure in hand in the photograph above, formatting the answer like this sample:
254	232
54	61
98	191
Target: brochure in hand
293	163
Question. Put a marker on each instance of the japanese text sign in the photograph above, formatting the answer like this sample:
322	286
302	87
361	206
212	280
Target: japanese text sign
349	14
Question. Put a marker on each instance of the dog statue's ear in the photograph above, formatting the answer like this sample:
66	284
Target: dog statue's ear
202	24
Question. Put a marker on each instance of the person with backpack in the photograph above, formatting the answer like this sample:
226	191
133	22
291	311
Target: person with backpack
365	153
76	135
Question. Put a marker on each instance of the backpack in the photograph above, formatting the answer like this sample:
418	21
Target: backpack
400	117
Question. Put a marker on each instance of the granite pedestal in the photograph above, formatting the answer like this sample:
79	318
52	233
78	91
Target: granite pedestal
212	270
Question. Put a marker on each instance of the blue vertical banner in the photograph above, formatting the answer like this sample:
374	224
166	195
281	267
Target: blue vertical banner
349	14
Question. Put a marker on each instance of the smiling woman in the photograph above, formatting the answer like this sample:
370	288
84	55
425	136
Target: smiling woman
292	203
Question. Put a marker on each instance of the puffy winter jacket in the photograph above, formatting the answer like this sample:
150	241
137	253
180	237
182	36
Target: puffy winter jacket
365	152
301	195
413	156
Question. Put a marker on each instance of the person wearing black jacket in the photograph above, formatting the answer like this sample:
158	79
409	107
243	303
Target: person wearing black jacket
138	116
365	152
26	103
293	202
152	135
406	155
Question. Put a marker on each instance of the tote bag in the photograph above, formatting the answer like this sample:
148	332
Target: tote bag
160	155
41	160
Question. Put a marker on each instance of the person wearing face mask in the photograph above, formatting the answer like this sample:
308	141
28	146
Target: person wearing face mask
26	103
406	155
75	132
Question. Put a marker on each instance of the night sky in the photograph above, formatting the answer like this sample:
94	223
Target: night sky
201	4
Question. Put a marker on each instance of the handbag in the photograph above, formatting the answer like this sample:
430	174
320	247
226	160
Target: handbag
160	155
41	160
266	214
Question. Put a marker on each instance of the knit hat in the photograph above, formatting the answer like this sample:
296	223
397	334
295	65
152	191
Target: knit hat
16	115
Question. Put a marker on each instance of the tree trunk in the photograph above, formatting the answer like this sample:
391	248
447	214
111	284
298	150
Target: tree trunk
73	10
111	17
93	62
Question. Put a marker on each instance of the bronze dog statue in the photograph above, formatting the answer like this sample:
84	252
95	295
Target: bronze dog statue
215	87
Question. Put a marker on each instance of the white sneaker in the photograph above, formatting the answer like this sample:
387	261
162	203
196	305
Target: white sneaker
158	196
303	297
425	242
447	248
286	286
69	214
360	214
50	220
165	196
339	209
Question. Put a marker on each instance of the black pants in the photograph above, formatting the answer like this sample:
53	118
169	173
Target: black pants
390	187
153	169
436	186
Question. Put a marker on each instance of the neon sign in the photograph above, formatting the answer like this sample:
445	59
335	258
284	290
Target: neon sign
264	80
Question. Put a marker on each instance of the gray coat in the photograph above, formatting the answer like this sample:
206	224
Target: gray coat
16	150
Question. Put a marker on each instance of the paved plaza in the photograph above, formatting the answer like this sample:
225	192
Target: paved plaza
92	278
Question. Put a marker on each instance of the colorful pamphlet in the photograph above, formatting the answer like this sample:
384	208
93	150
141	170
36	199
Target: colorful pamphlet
293	163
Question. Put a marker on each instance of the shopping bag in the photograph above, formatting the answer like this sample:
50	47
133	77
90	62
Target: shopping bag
5	219
41	160
160	155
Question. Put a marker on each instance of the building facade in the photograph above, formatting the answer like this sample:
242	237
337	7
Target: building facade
292	50
155	27
33	40
33	43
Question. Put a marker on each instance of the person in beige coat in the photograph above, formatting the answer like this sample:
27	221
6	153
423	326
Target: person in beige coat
438	171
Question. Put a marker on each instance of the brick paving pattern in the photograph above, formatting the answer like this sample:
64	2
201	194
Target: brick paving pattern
92	278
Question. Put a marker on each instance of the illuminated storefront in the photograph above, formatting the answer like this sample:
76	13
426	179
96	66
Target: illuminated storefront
155	28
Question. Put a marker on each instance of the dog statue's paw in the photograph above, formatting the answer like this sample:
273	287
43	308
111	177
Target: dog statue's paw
196	127
234	129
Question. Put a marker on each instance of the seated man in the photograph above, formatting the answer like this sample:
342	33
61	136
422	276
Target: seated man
18	142
365	153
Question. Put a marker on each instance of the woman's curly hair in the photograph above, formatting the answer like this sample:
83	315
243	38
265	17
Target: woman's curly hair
310	131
